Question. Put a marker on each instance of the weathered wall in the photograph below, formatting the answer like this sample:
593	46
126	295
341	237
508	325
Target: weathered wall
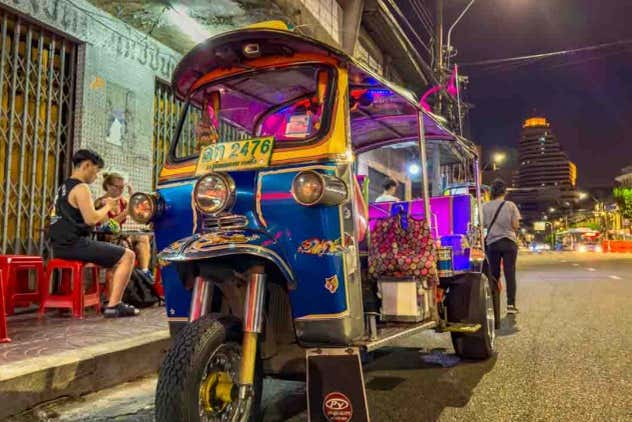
117	68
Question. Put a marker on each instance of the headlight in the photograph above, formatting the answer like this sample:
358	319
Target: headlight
214	193
142	207
313	188
598	249
581	248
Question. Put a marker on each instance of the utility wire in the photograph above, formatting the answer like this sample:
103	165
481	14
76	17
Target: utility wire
407	22
547	55
424	10
515	66
424	24
592	59
427	24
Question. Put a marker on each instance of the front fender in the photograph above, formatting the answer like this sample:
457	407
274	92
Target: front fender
228	242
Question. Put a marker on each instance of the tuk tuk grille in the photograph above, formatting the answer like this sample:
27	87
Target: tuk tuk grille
229	221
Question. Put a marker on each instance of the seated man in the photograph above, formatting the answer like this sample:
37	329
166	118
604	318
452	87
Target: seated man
71	228
390	188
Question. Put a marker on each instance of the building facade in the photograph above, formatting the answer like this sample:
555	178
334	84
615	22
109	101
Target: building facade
546	179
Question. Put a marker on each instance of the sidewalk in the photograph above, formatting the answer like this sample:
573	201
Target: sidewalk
58	356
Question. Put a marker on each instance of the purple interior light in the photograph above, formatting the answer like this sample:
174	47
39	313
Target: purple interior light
240	112
452	212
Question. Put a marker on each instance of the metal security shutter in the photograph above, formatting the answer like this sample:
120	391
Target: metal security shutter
37	80
167	110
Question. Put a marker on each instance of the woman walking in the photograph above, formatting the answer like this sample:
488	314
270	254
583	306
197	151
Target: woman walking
502	220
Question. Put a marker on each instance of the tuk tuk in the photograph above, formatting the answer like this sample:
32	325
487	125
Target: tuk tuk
272	245
581	239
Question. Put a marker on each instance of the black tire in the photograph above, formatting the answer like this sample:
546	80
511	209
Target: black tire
495	294
471	301
177	392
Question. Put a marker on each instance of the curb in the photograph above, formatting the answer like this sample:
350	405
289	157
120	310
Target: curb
42	379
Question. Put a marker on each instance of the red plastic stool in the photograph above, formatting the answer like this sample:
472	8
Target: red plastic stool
16	289
4	336
72	294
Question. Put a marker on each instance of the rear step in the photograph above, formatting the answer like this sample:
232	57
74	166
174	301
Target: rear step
458	327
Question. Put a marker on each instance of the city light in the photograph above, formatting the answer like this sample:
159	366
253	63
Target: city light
179	17
551	209
582	196
499	157
413	169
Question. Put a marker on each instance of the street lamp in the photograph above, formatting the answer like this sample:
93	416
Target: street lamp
449	45
497	159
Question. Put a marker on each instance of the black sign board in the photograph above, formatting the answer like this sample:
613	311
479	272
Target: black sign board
335	386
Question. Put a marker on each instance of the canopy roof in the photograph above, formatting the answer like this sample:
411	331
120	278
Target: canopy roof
384	113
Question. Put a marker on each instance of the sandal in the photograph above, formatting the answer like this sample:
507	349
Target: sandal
120	310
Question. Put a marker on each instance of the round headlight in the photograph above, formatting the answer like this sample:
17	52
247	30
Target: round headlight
142	207
312	188
307	187
214	193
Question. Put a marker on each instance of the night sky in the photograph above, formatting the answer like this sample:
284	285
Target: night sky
589	104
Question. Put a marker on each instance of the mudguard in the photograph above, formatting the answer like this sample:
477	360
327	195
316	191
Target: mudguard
228	242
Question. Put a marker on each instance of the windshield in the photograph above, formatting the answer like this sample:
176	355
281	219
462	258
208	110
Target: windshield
398	163
292	105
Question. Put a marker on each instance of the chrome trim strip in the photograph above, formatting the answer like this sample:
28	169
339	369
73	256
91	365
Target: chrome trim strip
224	222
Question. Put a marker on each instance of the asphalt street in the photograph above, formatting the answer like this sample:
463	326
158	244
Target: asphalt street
565	357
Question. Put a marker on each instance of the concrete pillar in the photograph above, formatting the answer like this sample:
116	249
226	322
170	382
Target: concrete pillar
351	19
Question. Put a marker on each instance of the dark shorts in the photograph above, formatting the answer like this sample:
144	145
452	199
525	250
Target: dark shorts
103	254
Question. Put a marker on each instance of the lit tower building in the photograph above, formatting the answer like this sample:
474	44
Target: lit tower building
546	177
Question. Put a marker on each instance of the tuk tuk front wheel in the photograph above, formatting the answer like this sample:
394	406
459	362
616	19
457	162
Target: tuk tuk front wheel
471	301
198	380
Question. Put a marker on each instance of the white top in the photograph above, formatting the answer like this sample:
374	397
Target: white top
385	197
507	219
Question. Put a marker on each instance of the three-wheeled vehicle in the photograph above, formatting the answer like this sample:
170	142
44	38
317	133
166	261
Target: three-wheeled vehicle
272	242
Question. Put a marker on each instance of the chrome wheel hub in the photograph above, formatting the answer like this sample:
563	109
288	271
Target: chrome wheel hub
218	400
490	317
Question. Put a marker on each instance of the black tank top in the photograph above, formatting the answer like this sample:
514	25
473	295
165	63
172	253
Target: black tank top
68	224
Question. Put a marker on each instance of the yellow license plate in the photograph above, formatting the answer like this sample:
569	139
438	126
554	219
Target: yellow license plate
237	155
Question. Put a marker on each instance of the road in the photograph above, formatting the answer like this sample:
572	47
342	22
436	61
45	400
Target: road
566	357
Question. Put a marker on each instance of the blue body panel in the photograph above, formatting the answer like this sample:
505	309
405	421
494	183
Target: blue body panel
175	223
309	241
